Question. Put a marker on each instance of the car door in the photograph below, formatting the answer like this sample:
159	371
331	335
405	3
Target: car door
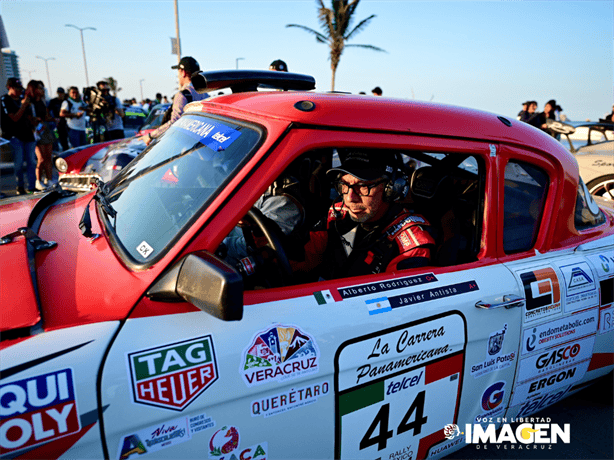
561	313
361	367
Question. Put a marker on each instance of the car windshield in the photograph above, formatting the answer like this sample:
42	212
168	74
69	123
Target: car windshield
154	119
171	182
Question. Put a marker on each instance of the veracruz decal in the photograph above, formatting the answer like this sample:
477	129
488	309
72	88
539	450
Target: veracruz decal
37	410
395	390
172	376
279	353
543	293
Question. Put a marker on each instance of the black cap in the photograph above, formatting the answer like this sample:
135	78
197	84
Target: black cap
13	82
366	164
60	90
377	90
188	64
278	65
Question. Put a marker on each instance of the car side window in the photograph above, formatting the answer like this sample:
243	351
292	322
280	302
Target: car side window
587	212
525	192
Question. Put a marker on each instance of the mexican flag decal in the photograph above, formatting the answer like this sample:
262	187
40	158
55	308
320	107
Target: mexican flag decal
172	376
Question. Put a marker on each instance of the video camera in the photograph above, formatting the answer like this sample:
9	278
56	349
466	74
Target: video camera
101	105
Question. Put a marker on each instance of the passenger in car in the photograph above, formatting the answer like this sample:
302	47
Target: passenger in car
368	231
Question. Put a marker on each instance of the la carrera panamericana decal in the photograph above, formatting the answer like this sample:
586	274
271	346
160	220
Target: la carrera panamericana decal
395	390
172	376
279	353
37	410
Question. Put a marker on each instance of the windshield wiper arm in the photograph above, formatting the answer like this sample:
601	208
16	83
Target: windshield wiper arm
85	224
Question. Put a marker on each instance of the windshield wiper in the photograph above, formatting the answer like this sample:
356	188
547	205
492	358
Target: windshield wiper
85	224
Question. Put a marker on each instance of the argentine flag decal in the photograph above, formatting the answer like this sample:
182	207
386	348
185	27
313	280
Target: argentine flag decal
379	305
324	297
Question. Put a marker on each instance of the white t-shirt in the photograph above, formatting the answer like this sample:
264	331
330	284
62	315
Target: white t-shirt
74	107
117	122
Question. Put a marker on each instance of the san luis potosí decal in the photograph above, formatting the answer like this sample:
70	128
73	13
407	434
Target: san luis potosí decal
172	376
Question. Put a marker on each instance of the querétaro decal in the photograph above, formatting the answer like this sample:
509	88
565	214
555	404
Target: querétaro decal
543	294
37	410
172	376
277	354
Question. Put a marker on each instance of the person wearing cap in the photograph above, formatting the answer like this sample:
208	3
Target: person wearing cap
55	106
17	128
377	91
278	65
186	67
368	231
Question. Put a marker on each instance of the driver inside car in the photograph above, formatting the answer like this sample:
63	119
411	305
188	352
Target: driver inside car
368	231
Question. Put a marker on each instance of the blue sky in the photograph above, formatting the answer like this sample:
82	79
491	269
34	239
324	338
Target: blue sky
488	55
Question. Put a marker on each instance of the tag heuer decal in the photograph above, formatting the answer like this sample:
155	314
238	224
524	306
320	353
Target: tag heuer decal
279	353
172	376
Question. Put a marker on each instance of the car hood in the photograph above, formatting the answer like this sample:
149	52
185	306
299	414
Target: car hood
76	281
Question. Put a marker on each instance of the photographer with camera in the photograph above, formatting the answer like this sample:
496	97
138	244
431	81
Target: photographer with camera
105	111
73	110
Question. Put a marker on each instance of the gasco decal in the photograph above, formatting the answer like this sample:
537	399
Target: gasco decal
580	286
543	293
552	359
37	410
277	354
172	376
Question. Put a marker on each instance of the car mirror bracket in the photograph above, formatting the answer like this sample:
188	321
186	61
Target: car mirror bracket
206	282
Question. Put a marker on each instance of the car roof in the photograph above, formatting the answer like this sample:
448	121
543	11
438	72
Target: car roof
375	113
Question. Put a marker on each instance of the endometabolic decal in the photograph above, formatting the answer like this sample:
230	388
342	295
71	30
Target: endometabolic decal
561	330
396	388
279	353
543	293
172	376
580	286
37	409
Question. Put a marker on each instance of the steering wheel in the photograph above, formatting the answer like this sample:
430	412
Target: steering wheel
273	242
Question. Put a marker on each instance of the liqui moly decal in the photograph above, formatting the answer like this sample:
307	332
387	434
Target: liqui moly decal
277	354
172	376
37	410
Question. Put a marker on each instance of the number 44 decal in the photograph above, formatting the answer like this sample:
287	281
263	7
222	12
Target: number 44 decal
416	410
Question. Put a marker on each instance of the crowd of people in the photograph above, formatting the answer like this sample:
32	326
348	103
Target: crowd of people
530	115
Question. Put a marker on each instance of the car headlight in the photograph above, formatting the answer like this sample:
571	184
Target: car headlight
61	164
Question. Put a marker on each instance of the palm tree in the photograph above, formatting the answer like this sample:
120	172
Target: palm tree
335	23
113	85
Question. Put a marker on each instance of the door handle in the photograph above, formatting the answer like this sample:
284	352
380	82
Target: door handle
509	301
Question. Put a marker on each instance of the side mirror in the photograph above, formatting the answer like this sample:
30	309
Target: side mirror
206	282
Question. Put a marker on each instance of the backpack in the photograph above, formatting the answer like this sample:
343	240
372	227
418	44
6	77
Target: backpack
167	115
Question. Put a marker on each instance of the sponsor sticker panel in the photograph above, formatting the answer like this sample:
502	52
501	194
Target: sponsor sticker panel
277	354
293	398
606	320
542	292
540	401
225	444
553	359
603	263
172	376
37	410
562	330
396	389
580	286
492	401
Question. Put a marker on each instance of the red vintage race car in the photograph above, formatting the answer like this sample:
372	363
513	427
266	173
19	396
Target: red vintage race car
127	332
